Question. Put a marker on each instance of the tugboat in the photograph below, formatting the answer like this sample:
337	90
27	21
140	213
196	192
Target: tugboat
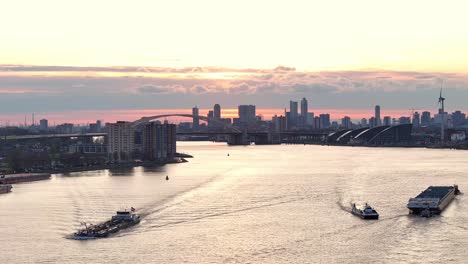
367	213
122	219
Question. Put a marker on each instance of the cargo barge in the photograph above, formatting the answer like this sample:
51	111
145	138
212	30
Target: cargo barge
122	220
5	188
433	200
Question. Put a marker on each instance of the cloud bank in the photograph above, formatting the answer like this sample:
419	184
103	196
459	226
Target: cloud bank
26	89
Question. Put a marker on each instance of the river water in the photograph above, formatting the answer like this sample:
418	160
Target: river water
260	204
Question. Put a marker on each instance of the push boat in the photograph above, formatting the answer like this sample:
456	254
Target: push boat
366	213
433	200
121	220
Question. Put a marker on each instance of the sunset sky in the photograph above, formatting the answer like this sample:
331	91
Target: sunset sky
88	60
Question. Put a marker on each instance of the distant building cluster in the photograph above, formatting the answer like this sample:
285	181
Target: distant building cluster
152	141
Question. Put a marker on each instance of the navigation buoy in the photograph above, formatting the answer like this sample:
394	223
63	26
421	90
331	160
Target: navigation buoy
167	177
228	154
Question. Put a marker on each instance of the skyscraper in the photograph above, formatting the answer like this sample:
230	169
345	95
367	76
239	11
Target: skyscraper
304	111
324	121
378	121
293	116
196	119
246	113
416	120
346	122
217	112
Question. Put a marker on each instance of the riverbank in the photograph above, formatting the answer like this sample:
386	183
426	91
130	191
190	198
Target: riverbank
23	177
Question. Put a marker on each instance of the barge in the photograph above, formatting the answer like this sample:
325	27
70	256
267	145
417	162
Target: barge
433	200
5	188
122	220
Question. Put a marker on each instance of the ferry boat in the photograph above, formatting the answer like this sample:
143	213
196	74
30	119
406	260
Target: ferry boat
366	213
433	200
5	188
121	220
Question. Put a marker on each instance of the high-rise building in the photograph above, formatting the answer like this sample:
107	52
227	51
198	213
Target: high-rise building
247	114
378	121
346	122
121	140
159	141
458	118
43	124
310	119
387	121
196	119
304	112
416	120
363	122
372	122
426	118
294	115
217	112
404	120
98	125
324	121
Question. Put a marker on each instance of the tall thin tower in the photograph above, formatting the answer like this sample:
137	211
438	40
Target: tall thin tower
442	114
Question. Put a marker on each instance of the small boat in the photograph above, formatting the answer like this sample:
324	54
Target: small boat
228	154
367	213
167	177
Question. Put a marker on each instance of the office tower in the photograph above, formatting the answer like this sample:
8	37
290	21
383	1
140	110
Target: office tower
247	114
304	112
378	121
310	119
372	122
196	119
416	120
404	120
217	112
324	121
293	113
121	140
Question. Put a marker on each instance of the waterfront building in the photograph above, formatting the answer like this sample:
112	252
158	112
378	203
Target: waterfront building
121	140
279	123
159	141
426	118
378	121
43	124
247	114
217	112
196	119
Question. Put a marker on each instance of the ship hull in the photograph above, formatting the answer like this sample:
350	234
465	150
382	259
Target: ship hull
103	230
5	188
432	201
